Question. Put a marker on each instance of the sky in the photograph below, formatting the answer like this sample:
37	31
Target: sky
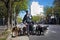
44	2
41	2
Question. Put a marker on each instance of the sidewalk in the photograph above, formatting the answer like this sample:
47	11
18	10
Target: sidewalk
18	38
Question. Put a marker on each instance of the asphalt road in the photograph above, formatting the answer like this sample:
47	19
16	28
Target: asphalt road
53	33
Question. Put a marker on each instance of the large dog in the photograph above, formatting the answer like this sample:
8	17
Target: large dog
38	29
14	31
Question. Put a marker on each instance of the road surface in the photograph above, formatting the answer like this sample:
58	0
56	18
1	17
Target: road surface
53	33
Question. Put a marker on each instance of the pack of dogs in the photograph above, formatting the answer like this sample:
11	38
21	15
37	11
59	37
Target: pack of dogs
28	29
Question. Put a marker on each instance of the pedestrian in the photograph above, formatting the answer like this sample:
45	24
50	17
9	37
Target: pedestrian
25	17
31	28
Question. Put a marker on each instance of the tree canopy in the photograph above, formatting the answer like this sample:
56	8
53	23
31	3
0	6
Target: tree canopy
19	20
36	18
21	5
3	10
57	7
48	11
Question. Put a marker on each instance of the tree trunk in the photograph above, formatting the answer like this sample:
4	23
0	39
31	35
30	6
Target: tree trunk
9	15
15	19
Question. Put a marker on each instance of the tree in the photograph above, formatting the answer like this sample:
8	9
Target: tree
20	5
57	7
3	10
57	10
48	11
36	18
3	13
19	20
57	3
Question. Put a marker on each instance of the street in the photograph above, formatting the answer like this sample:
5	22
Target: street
53	33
